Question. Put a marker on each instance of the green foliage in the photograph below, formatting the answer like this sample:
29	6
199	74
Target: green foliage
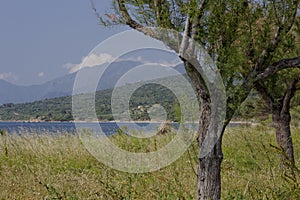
253	109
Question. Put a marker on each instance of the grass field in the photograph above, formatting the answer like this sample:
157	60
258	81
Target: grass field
59	167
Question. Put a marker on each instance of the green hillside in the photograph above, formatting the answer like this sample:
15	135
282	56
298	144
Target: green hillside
146	96
60	109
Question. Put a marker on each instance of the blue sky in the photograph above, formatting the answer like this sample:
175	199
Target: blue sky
39	38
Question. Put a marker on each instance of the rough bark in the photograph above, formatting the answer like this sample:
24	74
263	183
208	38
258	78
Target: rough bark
209	176
281	119
283	137
209	166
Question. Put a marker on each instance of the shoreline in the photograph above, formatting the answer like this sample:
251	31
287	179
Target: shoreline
41	121
247	123
25	121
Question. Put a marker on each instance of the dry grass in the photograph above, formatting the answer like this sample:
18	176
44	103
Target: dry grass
59	167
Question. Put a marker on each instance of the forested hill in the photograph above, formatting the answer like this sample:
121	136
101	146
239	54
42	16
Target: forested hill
145	97
60	109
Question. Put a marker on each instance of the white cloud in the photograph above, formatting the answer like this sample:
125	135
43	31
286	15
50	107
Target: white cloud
136	59
7	76
163	63
95	60
41	74
172	63
90	61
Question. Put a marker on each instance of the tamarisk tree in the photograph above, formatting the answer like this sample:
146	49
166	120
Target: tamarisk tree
279	89
242	37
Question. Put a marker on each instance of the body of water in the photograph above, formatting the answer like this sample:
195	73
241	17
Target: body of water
69	127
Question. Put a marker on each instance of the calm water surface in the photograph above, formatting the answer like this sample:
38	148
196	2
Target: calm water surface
69	127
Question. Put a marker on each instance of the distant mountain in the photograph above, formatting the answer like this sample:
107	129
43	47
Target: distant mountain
10	93
63	86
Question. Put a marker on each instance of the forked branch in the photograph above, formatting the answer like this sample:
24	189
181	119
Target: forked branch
277	66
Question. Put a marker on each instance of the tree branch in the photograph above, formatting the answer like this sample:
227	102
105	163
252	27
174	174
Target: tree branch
128	20
185	38
195	25
241	94
264	93
102	21
196	21
277	66
290	93
266	55
164	20
146	30
190	30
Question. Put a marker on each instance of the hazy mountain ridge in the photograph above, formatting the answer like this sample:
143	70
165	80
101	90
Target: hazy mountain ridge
63	86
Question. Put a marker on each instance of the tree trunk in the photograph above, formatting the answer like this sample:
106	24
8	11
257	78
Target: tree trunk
209	174
209	166
283	136
281	119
